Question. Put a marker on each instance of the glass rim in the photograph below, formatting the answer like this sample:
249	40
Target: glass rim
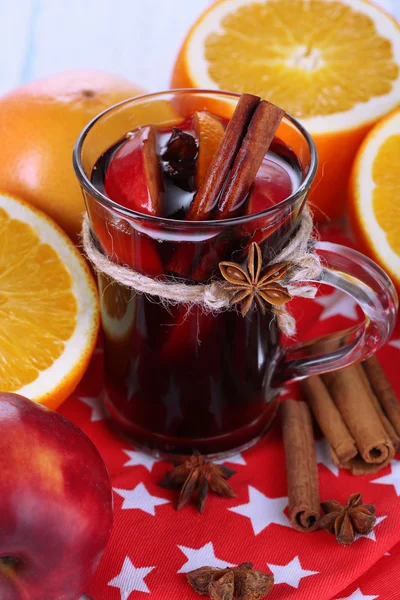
213	223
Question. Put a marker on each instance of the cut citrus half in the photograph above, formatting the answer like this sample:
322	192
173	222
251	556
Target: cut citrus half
333	64
375	195
49	312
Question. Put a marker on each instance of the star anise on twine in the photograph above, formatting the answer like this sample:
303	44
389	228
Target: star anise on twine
194	475
242	582
345	521
249	285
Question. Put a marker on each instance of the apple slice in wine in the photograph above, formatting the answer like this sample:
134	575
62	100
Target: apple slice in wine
272	185
134	180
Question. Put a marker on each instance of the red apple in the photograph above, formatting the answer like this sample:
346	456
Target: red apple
55	504
133	178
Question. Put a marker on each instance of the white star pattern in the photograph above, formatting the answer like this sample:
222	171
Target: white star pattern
139	458
323	456
370	536
203	556
140	499
358	595
98	412
337	303
130	579
236	459
263	511
292	573
395	344
393	478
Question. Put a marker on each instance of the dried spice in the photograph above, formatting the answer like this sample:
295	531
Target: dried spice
345	521
301	466
249	285
196	476
361	437
223	588
242	582
180	157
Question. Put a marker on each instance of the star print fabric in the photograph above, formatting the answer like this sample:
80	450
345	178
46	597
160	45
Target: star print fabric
152	546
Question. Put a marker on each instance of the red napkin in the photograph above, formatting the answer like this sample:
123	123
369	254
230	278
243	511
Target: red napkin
152	546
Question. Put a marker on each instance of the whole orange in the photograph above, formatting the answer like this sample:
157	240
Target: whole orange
39	124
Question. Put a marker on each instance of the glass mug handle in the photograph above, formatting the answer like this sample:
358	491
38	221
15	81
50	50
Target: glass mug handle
355	274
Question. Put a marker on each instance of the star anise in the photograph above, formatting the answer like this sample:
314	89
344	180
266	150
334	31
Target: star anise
250	285
345	521
242	582
194	475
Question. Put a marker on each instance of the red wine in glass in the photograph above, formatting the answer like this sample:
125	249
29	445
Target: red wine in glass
179	379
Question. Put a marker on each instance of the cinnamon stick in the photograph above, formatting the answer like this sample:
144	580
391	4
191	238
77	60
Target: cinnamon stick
384	391
301	466
329	419
394	438
207	195
352	399
257	140
358	466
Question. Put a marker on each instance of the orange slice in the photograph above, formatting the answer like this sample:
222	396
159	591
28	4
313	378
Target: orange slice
334	64
209	132
49	312
375	195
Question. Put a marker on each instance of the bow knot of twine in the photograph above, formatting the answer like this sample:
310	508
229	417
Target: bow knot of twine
305	266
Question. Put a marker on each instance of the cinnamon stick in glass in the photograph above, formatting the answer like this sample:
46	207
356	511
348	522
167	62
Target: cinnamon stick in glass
207	195
351	398
383	391
301	466
254	147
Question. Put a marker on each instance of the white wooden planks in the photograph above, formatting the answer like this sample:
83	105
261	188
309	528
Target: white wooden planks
135	38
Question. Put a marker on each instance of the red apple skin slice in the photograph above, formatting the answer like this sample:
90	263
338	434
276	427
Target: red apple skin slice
272	185
133	178
128	247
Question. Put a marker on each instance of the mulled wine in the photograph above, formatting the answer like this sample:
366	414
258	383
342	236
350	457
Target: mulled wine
197	197
179	377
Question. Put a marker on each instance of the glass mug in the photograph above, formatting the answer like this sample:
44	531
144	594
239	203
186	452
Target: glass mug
175	380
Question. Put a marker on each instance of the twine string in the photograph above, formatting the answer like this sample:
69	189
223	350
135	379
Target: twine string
214	297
